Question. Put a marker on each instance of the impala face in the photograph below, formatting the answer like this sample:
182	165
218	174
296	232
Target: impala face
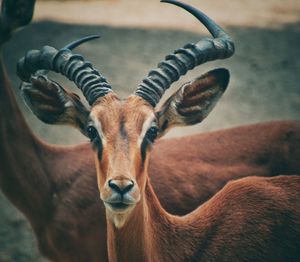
121	132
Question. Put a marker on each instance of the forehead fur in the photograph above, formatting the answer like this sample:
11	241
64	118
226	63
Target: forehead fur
115	114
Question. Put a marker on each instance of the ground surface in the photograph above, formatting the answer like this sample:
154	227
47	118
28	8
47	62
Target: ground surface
264	71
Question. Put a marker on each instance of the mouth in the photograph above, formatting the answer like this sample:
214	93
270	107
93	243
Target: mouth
117	203
118	206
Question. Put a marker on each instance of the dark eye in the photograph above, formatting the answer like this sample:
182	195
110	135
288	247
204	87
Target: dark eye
152	133
95	139
92	133
148	140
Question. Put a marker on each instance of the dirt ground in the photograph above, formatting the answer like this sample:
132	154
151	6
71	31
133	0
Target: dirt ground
135	36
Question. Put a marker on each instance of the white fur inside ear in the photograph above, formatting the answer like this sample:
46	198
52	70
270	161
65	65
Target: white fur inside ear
68	104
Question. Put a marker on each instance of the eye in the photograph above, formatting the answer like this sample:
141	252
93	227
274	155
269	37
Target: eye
92	133
151	133
149	138
95	139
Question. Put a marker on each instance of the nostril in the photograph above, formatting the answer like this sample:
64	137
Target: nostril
128	187
113	185
121	186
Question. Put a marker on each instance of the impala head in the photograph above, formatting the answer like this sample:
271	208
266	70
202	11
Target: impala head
122	131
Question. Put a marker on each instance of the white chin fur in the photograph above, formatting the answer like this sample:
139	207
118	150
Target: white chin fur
118	217
119	220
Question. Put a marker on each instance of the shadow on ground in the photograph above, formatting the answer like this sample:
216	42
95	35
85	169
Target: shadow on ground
264	86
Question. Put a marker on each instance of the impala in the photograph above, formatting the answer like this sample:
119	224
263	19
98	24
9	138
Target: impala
55	187
122	133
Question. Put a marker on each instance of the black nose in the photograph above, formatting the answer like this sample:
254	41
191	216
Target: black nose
121	186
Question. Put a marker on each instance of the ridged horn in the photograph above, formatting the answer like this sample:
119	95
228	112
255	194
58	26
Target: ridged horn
191	55
92	84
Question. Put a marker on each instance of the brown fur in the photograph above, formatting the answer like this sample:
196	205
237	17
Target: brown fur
55	187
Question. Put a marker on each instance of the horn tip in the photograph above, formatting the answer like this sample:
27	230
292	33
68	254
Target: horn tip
170	1
80	41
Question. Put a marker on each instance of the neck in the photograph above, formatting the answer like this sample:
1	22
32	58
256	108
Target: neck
134	240
150	233
12	122
21	174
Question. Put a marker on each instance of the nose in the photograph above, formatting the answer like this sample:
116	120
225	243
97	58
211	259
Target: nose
121	186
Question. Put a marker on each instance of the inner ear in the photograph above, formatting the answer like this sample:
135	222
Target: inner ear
193	101
53	104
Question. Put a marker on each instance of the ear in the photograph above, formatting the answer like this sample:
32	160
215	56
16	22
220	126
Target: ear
52	104
193	101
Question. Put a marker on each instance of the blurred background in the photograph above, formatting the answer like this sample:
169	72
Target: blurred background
135	36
